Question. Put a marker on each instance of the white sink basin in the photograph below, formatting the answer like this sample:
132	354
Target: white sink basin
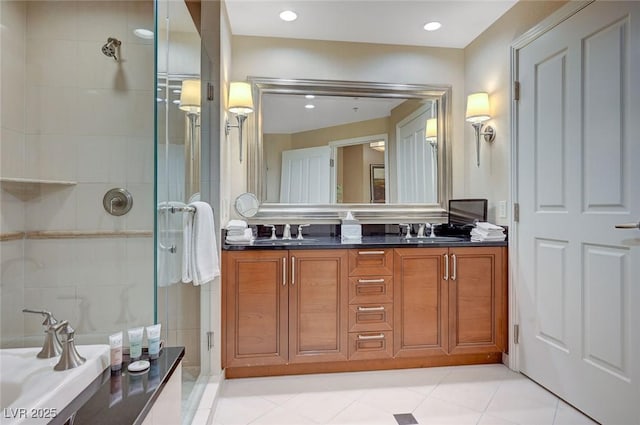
30	387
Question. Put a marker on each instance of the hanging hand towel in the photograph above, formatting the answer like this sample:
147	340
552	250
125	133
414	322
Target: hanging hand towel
200	255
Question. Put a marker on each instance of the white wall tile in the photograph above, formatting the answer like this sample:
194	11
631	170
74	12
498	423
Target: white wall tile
12	153
51	110
139	160
12	292
52	64
97	71
53	209
91	215
139	15
99	20
102	112
50	263
51	157
102	159
11	213
13	88
141	215
98	261
52	20
137	66
60	301
140	118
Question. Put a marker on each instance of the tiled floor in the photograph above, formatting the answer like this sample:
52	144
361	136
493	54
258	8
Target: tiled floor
482	395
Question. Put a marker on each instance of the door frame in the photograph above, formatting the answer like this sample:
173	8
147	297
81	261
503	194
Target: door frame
335	144
565	12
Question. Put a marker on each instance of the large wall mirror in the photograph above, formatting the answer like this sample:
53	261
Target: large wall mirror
322	147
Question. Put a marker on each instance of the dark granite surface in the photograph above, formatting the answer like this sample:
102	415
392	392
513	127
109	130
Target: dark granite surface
121	397
380	241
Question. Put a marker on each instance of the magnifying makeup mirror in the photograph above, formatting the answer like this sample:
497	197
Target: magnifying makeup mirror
247	205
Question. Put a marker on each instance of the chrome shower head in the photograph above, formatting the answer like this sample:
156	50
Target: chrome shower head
110	48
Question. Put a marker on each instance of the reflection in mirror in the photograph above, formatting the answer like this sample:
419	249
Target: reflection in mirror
333	142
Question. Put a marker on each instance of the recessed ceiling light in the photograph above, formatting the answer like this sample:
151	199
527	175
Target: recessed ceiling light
176	102
309	106
309	96
432	26
288	15
143	33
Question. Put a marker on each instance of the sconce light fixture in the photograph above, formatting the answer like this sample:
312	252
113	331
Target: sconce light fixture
431	131
241	104
190	103
477	114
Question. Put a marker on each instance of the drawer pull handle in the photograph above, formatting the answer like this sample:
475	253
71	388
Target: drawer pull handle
381	308
370	252
370	280
455	267
293	271
284	272
365	337
446	266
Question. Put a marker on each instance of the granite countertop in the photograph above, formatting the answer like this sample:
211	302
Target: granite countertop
376	241
121	397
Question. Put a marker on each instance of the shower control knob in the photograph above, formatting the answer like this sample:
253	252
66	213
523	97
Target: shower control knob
117	201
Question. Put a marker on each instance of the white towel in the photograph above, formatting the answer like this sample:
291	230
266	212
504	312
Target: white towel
486	226
237	224
200	255
246	237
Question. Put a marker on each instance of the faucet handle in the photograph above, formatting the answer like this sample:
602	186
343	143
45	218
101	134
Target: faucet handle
65	330
51	346
273	231
49	320
300	226
408	226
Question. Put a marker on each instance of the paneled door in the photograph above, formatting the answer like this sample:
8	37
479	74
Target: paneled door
306	174
578	147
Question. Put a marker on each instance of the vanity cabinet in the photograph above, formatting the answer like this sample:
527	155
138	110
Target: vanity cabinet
449	301
282	307
323	310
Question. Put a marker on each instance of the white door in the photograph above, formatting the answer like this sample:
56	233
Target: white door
415	162
306	175
578	281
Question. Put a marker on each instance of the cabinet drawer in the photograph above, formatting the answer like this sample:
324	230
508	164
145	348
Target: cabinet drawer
370	317
370	289
370	345
369	262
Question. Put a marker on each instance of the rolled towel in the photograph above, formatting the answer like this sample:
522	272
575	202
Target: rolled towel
246	237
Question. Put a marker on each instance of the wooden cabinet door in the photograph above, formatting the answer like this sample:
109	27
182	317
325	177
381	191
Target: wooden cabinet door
477	300
318	305
255	303
420	302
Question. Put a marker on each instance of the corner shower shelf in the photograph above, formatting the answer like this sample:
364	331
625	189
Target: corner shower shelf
26	189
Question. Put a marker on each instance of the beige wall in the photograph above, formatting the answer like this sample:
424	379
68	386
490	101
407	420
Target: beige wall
487	68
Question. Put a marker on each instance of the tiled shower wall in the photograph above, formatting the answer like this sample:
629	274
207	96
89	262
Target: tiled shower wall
71	113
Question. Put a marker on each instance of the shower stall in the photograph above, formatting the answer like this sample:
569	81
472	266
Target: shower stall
95	150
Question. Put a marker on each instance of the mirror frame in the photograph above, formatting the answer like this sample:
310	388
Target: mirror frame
332	213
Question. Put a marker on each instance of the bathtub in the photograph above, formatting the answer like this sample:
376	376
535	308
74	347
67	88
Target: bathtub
31	392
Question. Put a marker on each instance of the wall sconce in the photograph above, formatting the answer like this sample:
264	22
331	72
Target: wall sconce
477	114
431	131
241	104
190	103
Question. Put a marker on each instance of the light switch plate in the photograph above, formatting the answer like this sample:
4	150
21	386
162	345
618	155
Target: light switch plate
502	209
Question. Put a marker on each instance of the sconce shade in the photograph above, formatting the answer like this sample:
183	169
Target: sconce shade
431	131
190	96
240	98
478	107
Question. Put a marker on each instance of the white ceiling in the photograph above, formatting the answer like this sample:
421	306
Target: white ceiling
369	21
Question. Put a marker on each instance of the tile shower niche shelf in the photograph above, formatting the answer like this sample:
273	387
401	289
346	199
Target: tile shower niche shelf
26	189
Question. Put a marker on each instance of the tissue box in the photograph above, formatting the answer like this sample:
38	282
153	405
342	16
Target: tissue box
350	231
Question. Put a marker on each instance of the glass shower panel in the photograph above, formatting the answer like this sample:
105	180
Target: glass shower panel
178	159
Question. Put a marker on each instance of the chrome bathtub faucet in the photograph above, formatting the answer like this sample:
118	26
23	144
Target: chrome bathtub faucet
52	346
